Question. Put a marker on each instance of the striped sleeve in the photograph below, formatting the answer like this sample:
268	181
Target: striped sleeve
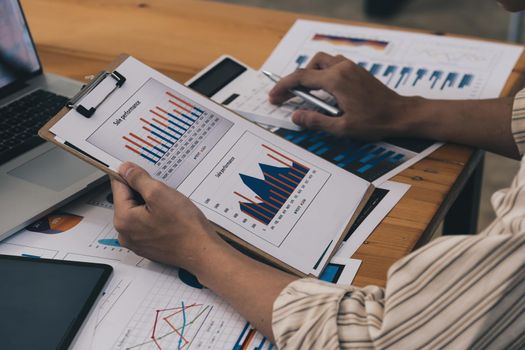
518	120
457	292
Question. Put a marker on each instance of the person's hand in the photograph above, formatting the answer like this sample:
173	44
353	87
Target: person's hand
167	228
370	109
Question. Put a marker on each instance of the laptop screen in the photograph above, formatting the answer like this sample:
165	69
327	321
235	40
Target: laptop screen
18	57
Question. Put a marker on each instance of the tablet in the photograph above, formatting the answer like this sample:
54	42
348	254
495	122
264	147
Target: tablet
44	302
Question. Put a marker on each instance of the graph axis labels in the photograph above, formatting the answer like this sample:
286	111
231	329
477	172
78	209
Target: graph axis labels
261	215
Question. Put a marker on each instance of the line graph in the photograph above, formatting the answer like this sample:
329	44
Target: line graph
170	314
176	322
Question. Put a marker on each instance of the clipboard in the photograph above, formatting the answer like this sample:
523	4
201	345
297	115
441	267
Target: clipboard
87	111
74	102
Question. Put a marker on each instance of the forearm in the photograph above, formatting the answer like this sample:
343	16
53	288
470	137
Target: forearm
485	124
249	286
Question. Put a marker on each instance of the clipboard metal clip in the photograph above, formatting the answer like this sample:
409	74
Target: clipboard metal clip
88	112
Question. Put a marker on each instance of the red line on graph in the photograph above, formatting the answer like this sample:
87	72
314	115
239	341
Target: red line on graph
147	129
251	201
166	319
279	181
285	157
156	343
162	110
267	203
277	159
161	123
276	200
132	142
141	139
296	176
248	339
179	99
132	149
255	210
277	187
288	179
155	140
179	106
254	217
155	325
159	115
145	121
278	195
288	165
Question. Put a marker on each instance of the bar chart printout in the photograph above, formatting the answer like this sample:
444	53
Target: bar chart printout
370	161
162	131
274	189
261	188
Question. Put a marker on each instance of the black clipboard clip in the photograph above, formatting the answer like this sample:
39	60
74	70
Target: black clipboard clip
88	112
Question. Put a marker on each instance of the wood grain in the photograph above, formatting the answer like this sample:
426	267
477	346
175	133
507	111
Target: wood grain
76	38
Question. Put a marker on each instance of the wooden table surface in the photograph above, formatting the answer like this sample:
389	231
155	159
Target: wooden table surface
76	38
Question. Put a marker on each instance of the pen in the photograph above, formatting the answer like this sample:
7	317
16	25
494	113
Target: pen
334	111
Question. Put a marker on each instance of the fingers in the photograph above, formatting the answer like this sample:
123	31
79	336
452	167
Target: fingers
317	121
122	195
137	178
307	78
322	60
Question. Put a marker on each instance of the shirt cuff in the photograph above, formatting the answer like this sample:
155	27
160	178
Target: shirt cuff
306	312
518	121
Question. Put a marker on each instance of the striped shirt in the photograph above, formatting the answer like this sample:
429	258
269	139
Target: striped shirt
456	292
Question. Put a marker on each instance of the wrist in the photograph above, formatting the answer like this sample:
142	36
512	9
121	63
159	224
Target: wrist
204	251
409	117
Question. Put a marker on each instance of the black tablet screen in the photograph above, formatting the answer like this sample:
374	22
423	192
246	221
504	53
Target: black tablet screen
43	302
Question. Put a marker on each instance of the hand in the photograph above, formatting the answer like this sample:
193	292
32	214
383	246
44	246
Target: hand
370	109
167	228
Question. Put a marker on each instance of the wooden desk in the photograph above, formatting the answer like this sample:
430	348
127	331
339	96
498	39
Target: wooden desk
76	38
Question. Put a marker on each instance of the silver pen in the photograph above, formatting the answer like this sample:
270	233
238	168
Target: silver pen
333	111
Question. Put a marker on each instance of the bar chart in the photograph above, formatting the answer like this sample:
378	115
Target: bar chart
261	188
369	161
399	76
161	130
252	340
274	189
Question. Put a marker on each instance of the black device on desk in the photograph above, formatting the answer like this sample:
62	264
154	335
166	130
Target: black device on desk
43	302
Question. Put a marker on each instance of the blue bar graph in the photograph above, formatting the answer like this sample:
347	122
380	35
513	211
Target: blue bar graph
376	67
420	74
434	78
111	242
273	190
396	77
449	80
465	81
366	160
403	77
163	128
389	72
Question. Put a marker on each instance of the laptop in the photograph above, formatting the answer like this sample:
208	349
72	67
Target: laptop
35	177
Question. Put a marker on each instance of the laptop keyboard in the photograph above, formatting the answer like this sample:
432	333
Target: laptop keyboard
21	120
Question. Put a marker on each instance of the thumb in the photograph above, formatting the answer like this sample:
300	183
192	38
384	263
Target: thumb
136	177
316	121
